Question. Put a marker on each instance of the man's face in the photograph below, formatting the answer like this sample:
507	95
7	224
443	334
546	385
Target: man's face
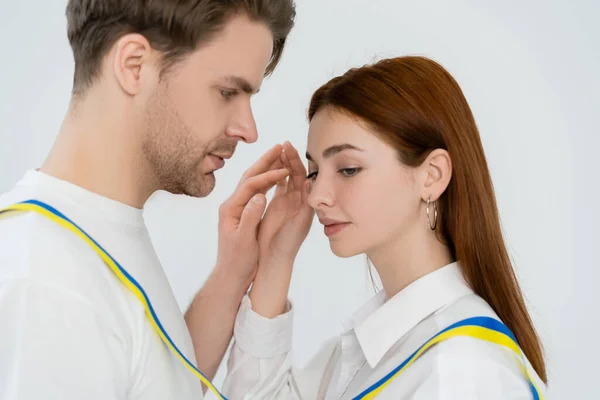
201	110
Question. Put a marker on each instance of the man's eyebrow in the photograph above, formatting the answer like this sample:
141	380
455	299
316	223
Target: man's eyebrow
241	84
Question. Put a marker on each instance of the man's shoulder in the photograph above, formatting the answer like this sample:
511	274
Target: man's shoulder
34	246
37	250
32	237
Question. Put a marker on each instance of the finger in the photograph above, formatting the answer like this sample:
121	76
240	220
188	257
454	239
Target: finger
307	188
265	162
298	171
306	212
252	214
255	185
281	188
278	164
286	163
267	189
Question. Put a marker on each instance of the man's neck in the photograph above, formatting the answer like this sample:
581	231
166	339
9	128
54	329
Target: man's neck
95	149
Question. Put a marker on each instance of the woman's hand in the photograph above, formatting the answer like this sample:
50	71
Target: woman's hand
240	217
284	227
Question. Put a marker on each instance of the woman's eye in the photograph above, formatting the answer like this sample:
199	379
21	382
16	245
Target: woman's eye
312	176
348	172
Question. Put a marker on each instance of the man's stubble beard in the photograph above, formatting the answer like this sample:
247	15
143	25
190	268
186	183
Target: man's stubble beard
173	154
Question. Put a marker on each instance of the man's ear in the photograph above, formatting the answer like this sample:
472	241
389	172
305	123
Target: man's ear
133	63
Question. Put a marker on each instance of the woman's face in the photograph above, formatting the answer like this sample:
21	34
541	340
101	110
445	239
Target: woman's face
363	195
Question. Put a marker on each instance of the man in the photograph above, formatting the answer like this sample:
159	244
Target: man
161	98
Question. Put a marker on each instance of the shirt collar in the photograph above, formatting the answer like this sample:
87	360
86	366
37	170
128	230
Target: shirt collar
89	201
378	324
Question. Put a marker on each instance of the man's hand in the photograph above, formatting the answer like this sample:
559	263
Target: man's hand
219	299
240	215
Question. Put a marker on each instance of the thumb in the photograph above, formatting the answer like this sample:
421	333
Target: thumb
252	213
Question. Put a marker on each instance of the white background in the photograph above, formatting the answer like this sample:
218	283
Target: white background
531	72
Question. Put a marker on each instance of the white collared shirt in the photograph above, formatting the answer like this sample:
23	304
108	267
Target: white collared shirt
378	338
69	329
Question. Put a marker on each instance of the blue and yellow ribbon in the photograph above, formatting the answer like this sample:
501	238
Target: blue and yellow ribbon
483	328
131	284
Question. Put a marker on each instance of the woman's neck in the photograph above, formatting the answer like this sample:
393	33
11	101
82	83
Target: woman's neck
407	259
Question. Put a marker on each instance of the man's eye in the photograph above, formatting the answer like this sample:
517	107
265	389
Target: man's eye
228	94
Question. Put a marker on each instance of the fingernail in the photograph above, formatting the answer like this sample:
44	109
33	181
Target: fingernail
257	199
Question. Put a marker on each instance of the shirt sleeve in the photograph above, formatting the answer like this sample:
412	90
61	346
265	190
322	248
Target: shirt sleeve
260	362
53	346
469	369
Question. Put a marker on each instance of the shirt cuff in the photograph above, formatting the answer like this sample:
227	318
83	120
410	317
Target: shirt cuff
262	337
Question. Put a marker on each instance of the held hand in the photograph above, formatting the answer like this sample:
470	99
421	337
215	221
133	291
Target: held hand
282	231
240	215
288	217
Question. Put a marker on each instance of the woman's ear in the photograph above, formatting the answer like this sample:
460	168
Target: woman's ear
438	169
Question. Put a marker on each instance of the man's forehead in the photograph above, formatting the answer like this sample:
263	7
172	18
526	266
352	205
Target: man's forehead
241	52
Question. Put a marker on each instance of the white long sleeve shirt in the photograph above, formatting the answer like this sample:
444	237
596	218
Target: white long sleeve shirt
378	338
69	329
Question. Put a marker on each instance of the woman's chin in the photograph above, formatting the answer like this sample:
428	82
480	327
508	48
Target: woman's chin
342	251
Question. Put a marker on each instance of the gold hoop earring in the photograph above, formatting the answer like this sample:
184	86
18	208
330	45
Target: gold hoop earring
435	214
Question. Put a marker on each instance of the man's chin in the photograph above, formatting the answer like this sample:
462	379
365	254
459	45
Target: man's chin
200	187
203	186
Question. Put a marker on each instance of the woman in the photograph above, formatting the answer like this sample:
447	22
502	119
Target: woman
397	171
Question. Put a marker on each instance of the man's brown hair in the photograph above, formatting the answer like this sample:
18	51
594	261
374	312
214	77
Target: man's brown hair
174	27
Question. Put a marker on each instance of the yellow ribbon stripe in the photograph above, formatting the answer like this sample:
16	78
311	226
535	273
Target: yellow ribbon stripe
483	328
123	276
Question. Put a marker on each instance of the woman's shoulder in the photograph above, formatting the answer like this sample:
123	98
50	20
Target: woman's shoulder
468	365
480	360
